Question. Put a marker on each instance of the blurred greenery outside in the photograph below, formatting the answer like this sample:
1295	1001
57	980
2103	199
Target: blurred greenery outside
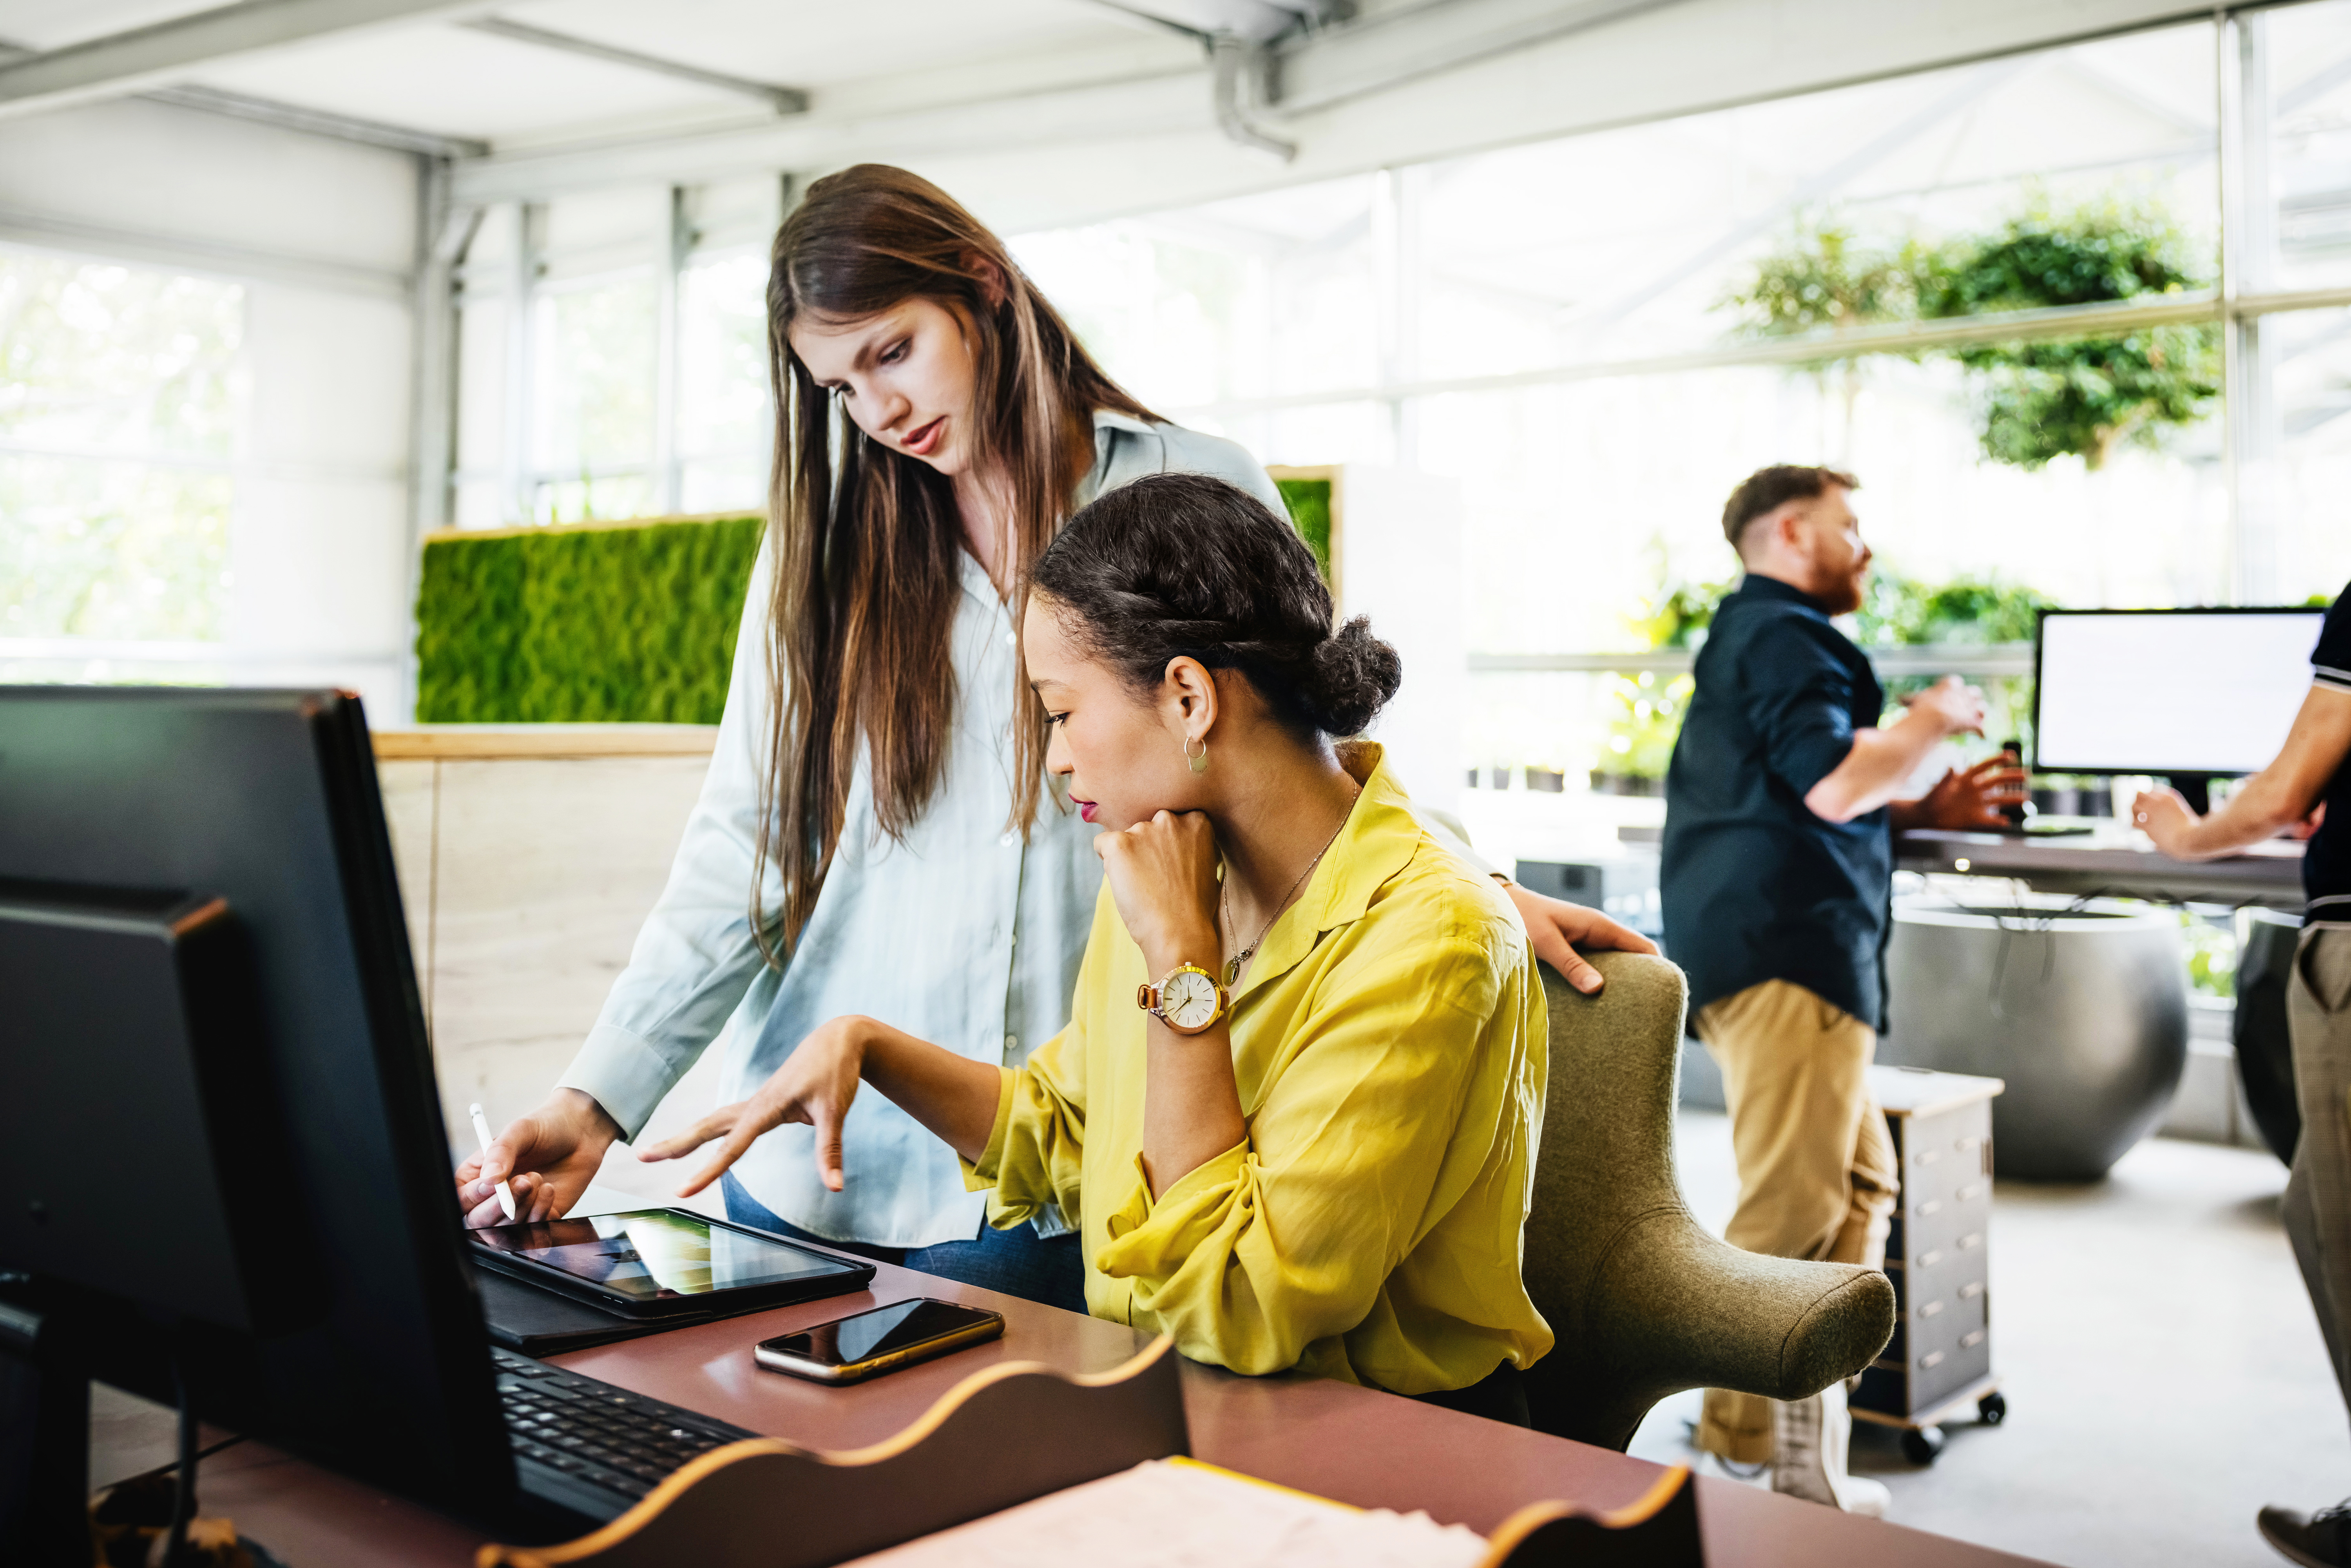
131	381
2033	401
1646	710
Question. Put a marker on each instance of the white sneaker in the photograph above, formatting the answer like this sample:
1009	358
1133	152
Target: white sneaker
1809	1440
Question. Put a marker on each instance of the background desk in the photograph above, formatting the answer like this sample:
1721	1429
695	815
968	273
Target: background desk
2113	861
1338	1441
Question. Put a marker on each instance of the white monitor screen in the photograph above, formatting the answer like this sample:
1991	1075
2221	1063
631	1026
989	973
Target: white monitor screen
2170	692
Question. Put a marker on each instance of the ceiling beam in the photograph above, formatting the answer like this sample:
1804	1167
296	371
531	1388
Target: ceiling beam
317	121
782	99
163	55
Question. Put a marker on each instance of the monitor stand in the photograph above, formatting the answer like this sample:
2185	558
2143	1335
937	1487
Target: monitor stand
2197	791
44	1439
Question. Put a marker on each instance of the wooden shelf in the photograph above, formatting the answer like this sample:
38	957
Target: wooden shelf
483	742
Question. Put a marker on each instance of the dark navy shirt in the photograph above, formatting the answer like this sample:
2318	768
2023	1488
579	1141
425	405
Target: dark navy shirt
2327	861
1755	886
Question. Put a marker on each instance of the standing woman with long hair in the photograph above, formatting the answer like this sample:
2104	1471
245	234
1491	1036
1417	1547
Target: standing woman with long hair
874	836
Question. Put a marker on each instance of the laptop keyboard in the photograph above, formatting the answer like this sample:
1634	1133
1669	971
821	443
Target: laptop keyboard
614	1441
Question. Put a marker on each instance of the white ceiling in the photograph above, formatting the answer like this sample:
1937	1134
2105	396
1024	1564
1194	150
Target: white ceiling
444	77
1043	112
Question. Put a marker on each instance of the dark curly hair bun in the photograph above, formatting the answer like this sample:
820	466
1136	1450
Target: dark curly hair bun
1355	674
1183	564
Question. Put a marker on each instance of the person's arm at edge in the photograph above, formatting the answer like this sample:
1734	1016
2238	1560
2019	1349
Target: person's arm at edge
2273	799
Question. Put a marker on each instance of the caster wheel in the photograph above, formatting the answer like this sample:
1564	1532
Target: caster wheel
1921	1444
1993	1409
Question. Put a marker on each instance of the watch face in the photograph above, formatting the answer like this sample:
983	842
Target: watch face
1188	999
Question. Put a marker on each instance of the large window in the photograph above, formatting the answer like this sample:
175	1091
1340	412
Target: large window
2080	318
1597	337
611	356
121	402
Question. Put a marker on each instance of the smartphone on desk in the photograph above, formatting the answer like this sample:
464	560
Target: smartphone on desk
852	1349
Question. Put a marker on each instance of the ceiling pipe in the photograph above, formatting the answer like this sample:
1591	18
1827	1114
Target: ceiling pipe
1239	67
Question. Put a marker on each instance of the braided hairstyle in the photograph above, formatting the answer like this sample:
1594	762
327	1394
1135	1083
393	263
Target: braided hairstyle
1182	564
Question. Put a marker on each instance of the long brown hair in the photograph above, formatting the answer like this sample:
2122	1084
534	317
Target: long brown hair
866	538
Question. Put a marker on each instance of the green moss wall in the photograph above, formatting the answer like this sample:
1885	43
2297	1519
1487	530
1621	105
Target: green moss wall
1309	510
615	625
582	625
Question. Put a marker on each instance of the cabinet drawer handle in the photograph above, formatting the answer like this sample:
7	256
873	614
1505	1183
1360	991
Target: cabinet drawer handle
1929	1359
1970	1190
1928	1260
1932	1205
1969	1341
1972	1238
1930	1308
1971	1290
1928	1157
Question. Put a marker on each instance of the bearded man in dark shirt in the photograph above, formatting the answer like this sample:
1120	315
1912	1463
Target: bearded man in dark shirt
1777	879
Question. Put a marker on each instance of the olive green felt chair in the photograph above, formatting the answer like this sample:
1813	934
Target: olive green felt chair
1644	1303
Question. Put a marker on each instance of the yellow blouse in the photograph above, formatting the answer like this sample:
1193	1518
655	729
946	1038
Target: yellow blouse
1389	1043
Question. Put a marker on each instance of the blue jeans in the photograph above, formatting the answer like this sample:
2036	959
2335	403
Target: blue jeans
1017	1262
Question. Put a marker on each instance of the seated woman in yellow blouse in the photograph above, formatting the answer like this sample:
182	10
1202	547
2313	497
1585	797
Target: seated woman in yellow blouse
1294	1112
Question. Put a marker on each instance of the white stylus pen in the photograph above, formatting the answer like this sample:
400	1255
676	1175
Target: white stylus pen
481	1136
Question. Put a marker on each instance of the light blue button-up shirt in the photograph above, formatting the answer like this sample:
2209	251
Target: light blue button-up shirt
959	934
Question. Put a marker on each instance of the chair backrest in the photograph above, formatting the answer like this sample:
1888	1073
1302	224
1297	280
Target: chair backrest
1643	1301
1606	1159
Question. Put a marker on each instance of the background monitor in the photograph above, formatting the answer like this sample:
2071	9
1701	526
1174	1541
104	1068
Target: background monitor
2186	693
357	1338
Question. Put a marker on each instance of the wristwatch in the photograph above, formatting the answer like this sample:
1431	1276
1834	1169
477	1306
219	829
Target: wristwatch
1188	1000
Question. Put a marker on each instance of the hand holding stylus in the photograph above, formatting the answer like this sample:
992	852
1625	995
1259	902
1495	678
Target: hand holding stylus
547	1158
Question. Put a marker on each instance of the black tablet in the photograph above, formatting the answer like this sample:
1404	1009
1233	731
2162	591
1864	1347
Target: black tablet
653	1262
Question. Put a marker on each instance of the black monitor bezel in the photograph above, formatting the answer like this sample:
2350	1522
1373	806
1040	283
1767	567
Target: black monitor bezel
2041	617
430	1426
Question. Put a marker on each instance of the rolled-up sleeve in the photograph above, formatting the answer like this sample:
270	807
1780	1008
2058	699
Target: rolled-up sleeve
695	957
1287	1238
1036	1151
1800	698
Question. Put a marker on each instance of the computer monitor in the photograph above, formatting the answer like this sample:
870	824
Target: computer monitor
2191	694
317	1295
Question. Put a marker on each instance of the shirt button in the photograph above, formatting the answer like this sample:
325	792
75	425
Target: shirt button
1008	839
1010	639
1011	1042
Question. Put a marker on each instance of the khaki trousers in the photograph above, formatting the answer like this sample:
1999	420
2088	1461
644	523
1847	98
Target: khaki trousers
1816	1173
2318	1193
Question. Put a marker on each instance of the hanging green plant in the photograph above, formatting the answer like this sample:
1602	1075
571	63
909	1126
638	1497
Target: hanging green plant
2082	397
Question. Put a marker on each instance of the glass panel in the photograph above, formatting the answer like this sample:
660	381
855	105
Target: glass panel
594	497
724	484
1635	242
1588	502
1259	296
2296	478
723	364
117	359
593	385
122	399
2298	81
120	551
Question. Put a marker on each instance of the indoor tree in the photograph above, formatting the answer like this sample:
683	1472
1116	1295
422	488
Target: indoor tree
2080	397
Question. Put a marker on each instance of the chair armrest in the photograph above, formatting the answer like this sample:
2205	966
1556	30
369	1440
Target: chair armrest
1722	1318
1669	1307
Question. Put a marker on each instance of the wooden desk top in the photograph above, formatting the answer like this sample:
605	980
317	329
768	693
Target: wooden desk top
1335	1440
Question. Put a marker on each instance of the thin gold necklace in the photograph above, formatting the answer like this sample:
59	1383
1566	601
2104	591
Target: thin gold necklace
1224	898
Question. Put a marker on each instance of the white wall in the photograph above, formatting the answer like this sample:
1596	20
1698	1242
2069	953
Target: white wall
323	233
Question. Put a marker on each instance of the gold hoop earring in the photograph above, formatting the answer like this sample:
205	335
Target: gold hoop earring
1198	764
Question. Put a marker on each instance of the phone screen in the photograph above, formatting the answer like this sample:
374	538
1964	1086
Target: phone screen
881	1332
